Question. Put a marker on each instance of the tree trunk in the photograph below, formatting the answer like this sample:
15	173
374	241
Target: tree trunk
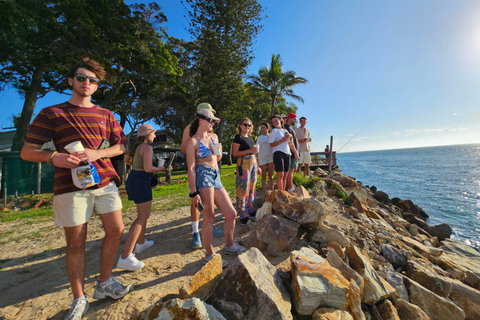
272	113
31	97
168	167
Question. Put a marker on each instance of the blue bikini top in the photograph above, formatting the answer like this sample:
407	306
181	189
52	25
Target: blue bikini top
203	150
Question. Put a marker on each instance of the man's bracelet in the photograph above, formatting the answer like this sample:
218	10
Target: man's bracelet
50	160
193	194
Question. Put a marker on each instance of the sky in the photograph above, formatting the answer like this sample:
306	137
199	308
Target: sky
381	74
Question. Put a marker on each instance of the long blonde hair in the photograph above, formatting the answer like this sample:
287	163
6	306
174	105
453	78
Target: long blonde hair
239	130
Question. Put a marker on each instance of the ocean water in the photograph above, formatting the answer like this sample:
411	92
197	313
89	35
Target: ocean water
444	181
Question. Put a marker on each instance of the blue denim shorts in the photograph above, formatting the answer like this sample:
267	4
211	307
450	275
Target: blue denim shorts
138	186
207	177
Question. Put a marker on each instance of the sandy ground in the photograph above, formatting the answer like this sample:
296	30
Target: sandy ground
34	283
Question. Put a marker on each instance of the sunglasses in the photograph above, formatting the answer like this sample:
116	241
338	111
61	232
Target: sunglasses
246	125
81	77
208	120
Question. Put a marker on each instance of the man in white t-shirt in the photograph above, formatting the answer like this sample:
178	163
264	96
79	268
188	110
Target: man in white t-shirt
303	136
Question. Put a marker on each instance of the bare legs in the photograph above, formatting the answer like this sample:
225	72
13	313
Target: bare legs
137	229
113	226
75	256
211	197
270	167
281	180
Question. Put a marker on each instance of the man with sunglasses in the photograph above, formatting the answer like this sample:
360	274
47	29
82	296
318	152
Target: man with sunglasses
194	213
79	119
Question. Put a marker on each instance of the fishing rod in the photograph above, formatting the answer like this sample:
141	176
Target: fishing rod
348	141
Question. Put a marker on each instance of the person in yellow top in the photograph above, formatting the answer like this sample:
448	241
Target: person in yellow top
303	136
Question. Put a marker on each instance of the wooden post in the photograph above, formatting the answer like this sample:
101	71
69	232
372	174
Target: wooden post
330	155
39	178
168	167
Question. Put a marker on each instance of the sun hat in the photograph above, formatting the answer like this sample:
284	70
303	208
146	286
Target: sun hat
145	129
291	115
206	113
205	105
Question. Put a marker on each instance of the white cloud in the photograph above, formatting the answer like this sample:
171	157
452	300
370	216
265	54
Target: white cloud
410	132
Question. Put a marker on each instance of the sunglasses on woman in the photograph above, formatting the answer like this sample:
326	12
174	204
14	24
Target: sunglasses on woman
246	125
81	77
208	119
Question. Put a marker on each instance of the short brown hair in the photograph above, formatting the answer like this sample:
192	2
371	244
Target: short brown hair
303	118
90	65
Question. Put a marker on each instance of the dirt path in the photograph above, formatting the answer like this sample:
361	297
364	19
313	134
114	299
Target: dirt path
34	283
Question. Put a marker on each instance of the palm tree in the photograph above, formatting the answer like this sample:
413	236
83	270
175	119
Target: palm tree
275	82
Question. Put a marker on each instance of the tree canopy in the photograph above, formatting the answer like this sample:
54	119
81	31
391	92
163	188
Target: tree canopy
53	34
224	32
275	82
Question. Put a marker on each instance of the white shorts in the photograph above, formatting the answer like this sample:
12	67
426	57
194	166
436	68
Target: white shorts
76	208
304	158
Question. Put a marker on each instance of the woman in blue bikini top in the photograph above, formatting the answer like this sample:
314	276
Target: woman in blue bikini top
205	184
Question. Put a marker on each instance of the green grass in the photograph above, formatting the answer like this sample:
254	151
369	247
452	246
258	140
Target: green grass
165	197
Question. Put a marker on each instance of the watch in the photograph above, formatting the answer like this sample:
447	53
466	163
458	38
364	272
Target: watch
193	194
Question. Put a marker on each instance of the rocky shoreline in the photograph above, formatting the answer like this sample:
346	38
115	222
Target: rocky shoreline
353	253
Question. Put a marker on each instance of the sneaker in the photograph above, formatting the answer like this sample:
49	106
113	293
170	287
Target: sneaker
234	249
130	263
291	189
208	258
196	241
252	215
244	220
111	288
217	232
140	247
78	308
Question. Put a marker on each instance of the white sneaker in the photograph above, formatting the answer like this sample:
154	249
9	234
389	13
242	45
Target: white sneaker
291	189
208	258
130	263
140	247
234	249
78	308
111	288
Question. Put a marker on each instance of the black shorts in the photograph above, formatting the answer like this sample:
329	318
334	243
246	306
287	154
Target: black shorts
138	186
281	161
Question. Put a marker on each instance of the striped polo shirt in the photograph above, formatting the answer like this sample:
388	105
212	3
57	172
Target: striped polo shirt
65	123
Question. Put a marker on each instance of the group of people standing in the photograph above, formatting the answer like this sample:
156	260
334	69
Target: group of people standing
102	137
278	149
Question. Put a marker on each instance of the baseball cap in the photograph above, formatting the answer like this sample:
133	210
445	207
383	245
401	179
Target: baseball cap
291	115
206	113
145	129
205	105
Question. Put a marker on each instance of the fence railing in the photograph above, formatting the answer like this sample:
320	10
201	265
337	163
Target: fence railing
24	177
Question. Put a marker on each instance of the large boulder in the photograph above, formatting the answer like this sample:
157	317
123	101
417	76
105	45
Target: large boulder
345	181
266	209
394	256
433	305
315	283
396	281
409	206
381	196
375	288
461	257
277	233
204	281
331	314
174	309
387	311
408	311
308	212
442	231
324	235
252	288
